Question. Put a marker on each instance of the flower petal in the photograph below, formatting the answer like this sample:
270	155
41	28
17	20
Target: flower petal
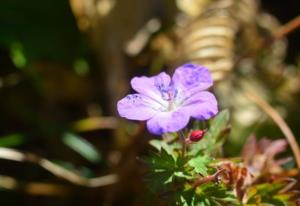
149	86
137	107
164	122
201	105
192	77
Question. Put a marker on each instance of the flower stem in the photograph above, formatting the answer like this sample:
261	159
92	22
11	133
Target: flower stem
182	139
208	178
273	114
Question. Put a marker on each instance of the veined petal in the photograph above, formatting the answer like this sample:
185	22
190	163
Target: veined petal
164	122
137	107
192	77
201	105
150	86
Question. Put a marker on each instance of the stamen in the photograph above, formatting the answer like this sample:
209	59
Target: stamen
168	93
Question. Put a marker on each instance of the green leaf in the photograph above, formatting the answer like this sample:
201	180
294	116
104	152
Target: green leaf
218	124
211	140
268	194
82	147
199	164
11	140
209	194
159	145
162	166
183	175
269	189
17	55
189	198
159	181
161	161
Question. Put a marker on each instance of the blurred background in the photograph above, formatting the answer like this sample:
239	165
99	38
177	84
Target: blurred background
64	65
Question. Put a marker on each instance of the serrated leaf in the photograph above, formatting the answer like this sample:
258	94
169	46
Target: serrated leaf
162	166
82	147
161	161
183	175
199	164
210	142
218	124
159	181
159	145
189	198
218	191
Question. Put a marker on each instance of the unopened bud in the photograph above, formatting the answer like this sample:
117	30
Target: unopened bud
197	135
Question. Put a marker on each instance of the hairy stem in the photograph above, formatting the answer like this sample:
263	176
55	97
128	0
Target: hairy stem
182	139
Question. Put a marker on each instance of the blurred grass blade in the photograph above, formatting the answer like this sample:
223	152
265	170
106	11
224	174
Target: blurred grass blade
11	140
94	123
17	55
82	147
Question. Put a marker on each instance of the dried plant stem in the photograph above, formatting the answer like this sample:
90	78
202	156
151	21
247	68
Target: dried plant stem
287	28
15	155
209	178
33	188
281	32
273	114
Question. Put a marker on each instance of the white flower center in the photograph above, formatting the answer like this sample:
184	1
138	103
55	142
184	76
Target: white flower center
169	94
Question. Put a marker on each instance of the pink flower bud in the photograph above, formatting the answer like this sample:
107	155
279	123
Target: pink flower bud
197	135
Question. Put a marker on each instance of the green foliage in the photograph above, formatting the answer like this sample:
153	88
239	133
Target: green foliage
165	166
172	172
213	139
269	193
160	145
17	55
209	194
162	168
81	67
199	164
42	29
197	177
82	147
12	140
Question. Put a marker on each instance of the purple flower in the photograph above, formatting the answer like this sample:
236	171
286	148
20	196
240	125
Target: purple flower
167	104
